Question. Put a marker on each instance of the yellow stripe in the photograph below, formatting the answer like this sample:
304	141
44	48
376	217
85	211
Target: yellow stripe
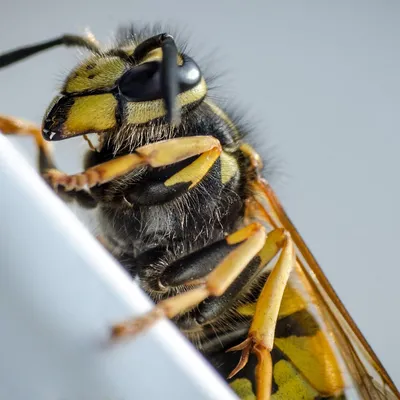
195	171
229	167
290	383
156	55
103	73
92	113
140	113
291	303
313	356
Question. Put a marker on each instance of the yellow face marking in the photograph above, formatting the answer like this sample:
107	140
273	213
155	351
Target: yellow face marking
243	388
142	112
92	113
196	170
229	167
313	356
290	383
95	73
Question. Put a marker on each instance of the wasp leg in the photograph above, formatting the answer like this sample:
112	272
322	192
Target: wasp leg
251	239
255	211
11	125
135	265
155	155
194	268
261	334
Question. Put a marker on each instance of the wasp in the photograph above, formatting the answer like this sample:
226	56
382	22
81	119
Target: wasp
185	209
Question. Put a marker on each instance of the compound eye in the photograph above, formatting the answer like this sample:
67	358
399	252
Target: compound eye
141	83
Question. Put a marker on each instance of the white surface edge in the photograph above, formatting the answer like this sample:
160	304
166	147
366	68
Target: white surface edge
40	198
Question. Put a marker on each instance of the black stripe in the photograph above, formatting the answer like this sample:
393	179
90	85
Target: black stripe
300	323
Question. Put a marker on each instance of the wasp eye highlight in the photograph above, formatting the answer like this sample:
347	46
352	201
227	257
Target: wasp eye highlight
141	83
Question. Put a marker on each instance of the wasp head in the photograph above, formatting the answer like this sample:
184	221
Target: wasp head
125	86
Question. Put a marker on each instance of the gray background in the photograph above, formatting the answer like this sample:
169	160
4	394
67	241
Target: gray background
321	81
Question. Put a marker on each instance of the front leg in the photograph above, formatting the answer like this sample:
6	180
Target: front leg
211	279
159	154
15	126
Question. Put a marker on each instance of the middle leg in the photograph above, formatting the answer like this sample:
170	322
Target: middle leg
213	281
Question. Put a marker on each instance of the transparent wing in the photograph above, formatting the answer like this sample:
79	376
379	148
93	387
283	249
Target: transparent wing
366	375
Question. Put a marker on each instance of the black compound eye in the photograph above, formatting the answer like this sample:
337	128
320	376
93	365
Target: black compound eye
142	83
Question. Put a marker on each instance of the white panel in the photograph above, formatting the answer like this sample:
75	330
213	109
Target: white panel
60	292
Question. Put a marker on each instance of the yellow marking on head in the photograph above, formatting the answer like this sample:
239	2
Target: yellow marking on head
92	113
220	113
243	388
95	73
195	171
142	112
291	384
314	358
229	167
156	55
